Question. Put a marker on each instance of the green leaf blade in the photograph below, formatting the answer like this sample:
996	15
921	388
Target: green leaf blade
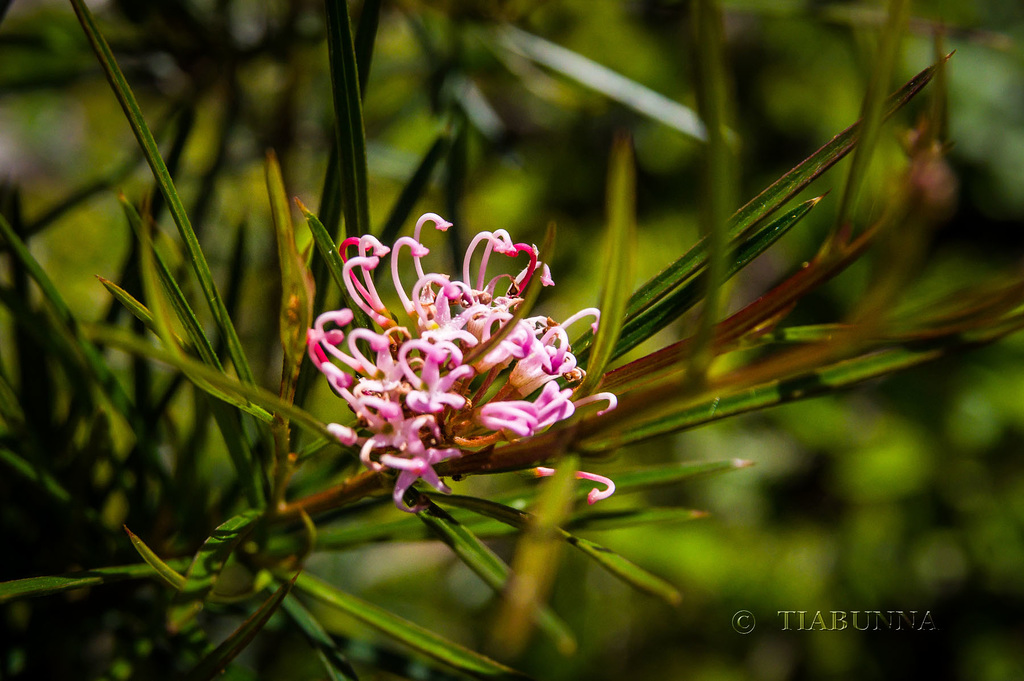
659	315
491	569
412	635
770	199
173	578
214	663
33	587
604	80
150	150
296	311
348	113
206	566
619	259
334	663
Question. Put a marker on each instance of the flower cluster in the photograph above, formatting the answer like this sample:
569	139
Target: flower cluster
419	391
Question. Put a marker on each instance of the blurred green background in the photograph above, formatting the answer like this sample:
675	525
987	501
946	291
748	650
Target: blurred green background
905	494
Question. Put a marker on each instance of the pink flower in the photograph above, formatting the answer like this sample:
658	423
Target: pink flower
410	387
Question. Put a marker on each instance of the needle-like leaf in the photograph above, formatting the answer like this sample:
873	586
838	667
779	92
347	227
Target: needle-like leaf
163	177
403	631
619	258
214	663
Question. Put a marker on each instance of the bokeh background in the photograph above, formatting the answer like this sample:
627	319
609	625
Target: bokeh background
904	494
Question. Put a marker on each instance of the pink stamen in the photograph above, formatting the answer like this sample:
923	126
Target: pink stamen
532	252
368	302
343	247
418	250
610	398
440	224
585	312
595	494
498	241
345	435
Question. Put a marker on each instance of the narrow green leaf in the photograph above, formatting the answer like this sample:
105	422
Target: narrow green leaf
161	288
619	260
173	578
387	662
182	309
625	570
35	271
659	315
249	398
770	199
325	246
873	108
348	115
828	378
536	560
334	663
40	478
214	663
602	79
206	566
10	407
416	637
719	189
92	359
631	517
349	535
811	333
130	303
336	538
366	34
155	296
479	558
626	482
470	550
406	529
163	177
296	314
32	587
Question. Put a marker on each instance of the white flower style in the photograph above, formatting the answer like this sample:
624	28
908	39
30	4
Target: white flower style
416	398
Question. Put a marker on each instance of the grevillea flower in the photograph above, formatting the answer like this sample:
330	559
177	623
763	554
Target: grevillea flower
419	393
